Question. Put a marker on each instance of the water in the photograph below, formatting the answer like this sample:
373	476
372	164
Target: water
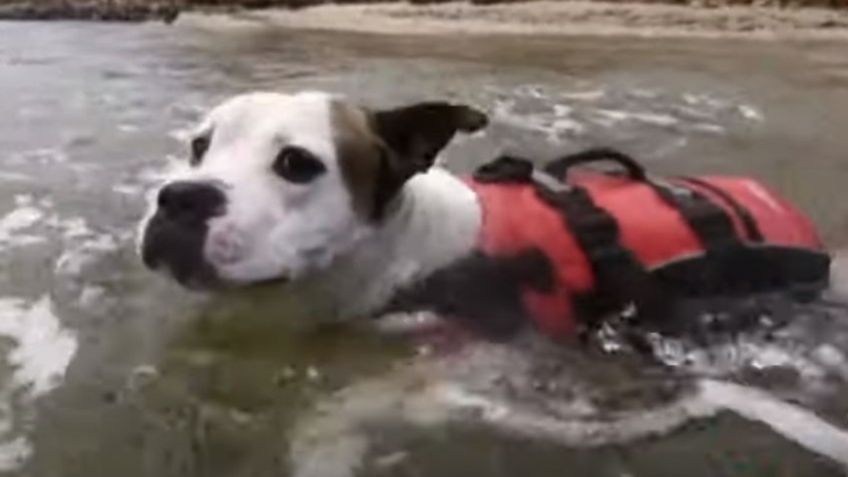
109	370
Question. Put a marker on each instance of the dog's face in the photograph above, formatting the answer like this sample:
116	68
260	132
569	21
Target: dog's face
278	186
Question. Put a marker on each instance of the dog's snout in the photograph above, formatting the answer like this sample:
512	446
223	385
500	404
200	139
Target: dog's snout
191	200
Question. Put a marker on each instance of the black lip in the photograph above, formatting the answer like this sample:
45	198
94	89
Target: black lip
176	246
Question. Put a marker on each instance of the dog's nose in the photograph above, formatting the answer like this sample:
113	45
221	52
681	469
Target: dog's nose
191	200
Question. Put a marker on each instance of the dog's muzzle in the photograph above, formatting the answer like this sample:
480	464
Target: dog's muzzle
175	235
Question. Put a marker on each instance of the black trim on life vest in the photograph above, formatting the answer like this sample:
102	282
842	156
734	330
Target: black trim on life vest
559	167
505	169
754	268
619	277
712	224
752	230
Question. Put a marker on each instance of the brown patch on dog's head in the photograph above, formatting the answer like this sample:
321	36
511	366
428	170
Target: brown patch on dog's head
359	151
379	151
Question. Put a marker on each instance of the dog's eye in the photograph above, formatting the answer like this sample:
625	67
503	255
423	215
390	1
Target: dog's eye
297	165
199	145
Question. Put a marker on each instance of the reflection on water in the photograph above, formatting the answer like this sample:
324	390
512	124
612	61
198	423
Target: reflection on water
112	371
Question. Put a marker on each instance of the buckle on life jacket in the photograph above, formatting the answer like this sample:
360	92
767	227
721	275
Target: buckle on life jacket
548	181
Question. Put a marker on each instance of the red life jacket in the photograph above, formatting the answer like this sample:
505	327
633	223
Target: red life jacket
652	228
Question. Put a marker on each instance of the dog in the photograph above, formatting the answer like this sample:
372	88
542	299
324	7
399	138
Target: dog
342	207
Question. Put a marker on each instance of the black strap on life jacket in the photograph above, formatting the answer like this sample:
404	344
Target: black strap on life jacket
752	230
505	169
711	224
619	277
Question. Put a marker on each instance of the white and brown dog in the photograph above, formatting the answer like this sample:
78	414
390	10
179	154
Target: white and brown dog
338	204
344	207
284	187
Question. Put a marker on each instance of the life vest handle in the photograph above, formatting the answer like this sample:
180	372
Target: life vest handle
559	167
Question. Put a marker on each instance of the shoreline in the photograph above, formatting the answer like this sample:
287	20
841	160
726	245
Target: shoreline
546	18
525	18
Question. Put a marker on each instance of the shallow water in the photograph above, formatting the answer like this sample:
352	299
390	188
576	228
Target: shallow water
109	370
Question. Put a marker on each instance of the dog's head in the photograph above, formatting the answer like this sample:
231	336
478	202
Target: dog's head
278	186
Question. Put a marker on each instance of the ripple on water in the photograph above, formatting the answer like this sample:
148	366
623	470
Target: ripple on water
610	115
75	259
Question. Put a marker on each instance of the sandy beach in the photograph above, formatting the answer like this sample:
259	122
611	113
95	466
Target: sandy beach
551	18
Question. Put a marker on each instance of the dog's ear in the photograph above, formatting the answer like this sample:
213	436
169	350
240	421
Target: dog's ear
413	136
416	134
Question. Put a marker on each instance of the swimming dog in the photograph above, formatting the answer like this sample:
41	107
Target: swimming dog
343	206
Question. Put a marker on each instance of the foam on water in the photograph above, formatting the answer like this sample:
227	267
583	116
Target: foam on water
130	190
749	112
128	128
181	135
550	124
13	453
616	116
20	218
590	95
43	347
604	114
72	227
7	176
41	352
75	259
736	356
43	156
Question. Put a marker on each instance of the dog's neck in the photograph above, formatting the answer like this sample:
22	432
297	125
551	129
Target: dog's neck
433	222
